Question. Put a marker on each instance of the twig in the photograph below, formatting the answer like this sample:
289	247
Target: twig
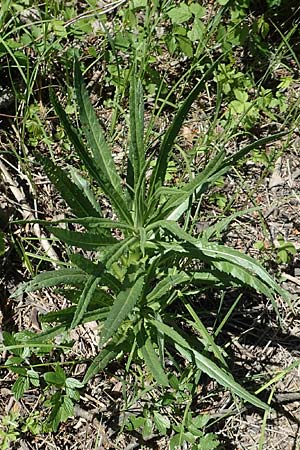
27	213
291	278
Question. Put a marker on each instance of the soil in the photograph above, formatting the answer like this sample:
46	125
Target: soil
256	343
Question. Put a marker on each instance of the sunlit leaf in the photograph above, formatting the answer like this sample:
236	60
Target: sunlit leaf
87	241
123	305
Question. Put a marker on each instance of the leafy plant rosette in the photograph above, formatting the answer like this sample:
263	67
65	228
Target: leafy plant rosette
135	279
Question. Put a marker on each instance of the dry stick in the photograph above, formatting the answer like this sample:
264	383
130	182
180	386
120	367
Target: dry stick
291	278
27	213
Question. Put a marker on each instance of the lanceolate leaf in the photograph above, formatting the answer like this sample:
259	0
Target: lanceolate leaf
159	172
221	253
104	357
171	280
233	159
108	176
188	193
119	249
83	185
136	147
86	297
73	196
248	278
237	274
89	222
226	380
65	316
54	278
47	335
151	359
222	224
97	270
83	154
123	305
199	326
87	241
208	366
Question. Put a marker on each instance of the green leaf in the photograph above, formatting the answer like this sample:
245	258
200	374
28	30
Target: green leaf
151	358
246	277
209	442
87	241
47	335
222	224
108	177
105	356
137	166
147	428
98	270
180	14
159	172
171	280
87	222
84	300
67	409
57	378
123	305
20	386
83	185
9	340
54	278
136	147
119	249
76	141
72	383
73	196
182	199
66	315
218	253
202	330
197	31
230	160
162	422
34	377
208	366
197	10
